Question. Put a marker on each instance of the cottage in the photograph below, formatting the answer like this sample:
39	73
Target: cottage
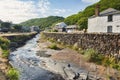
107	21
61	27
71	28
35	28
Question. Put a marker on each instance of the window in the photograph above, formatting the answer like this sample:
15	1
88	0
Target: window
110	18
109	29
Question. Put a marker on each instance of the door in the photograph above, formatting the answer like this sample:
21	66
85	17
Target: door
109	29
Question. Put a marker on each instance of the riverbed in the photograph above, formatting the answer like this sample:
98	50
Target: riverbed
34	62
24	59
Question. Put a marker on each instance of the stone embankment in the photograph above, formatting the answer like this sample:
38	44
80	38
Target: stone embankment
108	44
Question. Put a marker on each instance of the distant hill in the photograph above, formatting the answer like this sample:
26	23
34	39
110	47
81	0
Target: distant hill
43	22
82	17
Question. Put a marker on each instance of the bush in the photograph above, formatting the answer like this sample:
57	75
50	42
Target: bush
92	56
13	74
54	30
75	46
5	53
89	53
116	66
53	46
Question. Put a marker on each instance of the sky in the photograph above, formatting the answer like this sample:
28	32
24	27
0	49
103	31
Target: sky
18	11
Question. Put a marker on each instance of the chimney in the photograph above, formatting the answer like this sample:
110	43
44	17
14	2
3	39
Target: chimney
97	9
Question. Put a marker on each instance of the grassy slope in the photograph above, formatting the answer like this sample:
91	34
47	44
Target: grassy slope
43	22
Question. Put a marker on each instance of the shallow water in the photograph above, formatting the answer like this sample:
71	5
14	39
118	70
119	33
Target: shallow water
25	60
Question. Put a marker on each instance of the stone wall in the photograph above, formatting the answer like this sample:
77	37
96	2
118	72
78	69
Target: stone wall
104	43
19	40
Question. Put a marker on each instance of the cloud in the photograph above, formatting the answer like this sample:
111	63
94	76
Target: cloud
43	7
21	10
59	11
90	1
18	10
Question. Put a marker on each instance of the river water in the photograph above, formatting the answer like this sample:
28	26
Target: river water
25	60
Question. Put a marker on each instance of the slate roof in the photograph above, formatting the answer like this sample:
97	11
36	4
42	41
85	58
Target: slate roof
72	26
109	11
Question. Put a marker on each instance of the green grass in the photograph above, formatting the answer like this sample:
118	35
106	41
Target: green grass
93	56
53	46
4	44
5	53
13	74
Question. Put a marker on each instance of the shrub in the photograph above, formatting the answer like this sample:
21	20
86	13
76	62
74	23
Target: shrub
4	43
116	66
13	74
75	46
5	53
89	53
54	30
53	46
92	56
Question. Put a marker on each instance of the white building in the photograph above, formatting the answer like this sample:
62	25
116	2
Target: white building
106	21
71	28
34	28
61	27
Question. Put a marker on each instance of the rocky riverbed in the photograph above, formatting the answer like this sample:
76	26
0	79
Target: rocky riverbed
35	61
29	65
70	71
71	64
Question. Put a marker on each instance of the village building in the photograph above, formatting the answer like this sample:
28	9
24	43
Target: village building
34	29
61	27
107	21
71	28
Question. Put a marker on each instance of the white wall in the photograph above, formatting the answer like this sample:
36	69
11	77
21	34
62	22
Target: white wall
100	24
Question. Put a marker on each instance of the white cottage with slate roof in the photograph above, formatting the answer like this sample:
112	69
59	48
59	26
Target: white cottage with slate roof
61	27
107	21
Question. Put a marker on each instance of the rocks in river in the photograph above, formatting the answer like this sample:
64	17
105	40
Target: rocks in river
29	50
42	54
69	65
76	76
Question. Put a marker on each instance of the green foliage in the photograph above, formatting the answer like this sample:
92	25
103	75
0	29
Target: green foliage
75	46
5	53
13	74
4	44
82	17
89	53
116	66
82	23
54	30
17	28
43	22
5	24
53	46
92	56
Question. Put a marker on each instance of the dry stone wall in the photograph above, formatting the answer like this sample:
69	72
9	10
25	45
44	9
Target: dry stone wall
104	43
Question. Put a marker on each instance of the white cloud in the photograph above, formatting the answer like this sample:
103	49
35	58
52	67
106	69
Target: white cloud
43	7
59	11
90	1
18	11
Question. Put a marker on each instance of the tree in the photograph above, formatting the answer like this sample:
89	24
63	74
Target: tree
82	23
17	28
5	26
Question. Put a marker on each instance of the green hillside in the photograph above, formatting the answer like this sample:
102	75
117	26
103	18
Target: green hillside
81	17
43	22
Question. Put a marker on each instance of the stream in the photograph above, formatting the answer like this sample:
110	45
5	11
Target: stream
28	63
